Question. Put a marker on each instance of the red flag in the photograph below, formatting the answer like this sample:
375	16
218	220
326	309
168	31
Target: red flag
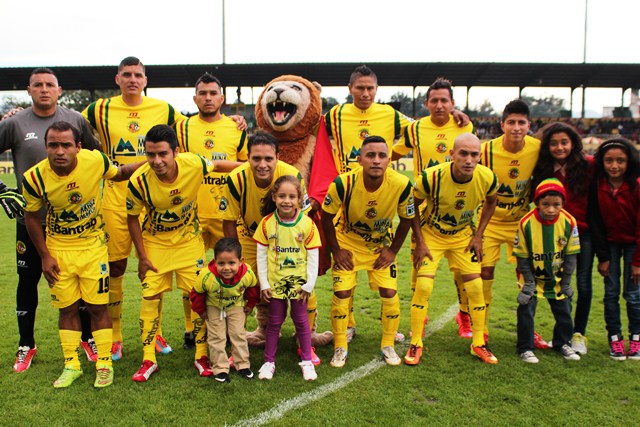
323	168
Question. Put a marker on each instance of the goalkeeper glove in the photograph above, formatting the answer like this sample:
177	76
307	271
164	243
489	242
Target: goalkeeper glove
11	201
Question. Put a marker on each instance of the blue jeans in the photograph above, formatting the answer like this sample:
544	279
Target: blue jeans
561	310
630	291
584	283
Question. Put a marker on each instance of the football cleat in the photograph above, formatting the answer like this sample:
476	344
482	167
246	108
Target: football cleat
104	377
203	366
540	343
390	356
484	354
339	357
24	357
147	369
464	324
67	377
314	357
162	346
116	350
413	355
90	349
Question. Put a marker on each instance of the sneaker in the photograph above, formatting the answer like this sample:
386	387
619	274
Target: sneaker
339	357
116	351
146	370
413	355
351	332
484	354
104	376
67	377
90	349
162	346
540	343
24	357
568	353
464	324
399	337
203	366
314	357
424	329
267	370
529	357
189	341
579	343
222	377
246	373
308	370
616	345
390	356
634	347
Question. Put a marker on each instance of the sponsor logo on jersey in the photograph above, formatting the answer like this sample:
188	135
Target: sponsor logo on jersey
441	136
21	248
133	127
71	186
133	115
461	194
514	163
124	148
75	198
88	209
371	213
174	192
372	203
30	135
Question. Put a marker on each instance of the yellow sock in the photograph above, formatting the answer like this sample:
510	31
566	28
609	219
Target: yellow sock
149	321
103	339
488	299
339	321
70	341
159	329
186	306
420	308
200	332
352	318
390	320
476	310
116	298
463	299
312	311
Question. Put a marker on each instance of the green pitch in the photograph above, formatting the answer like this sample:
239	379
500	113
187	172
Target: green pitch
449	387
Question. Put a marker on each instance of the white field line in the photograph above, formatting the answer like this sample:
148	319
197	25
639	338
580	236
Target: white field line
306	398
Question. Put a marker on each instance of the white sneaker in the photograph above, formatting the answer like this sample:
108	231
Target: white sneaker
568	353
266	371
390	356
579	343
351	332
339	357
529	357
399	337
308	371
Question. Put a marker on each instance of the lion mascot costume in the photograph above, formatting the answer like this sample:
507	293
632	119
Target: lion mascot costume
290	108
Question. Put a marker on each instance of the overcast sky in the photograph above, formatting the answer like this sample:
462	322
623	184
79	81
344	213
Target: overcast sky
74	32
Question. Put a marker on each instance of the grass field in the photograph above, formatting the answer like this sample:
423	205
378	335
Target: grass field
449	387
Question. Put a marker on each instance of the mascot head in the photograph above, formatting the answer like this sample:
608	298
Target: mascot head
290	108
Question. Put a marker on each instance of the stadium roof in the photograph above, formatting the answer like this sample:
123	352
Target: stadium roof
337	74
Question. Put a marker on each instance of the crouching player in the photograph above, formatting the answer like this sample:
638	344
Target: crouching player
223	296
74	255
546	248
453	191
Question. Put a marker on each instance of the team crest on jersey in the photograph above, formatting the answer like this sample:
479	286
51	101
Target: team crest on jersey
300	237
441	148
328	200
21	248
75	198
371	213
363	133
459	204
133	127
562	241
208	144
223	204
514	173
176	200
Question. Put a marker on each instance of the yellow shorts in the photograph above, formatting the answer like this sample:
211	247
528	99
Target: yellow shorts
384	278
118	237
211	231
451	247
250	252
83	274
186	261
496	234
